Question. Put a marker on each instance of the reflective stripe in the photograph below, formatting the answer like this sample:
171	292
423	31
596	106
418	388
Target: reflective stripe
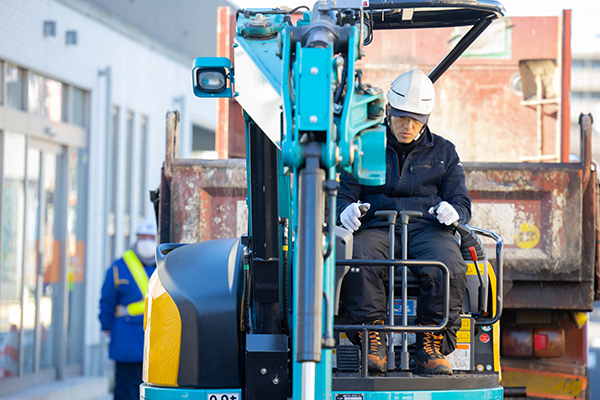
136	308
132	309
141	278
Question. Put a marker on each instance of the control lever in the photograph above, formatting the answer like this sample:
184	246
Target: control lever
471	248
391	218
363	208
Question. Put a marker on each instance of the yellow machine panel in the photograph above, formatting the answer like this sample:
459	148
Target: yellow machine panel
162	336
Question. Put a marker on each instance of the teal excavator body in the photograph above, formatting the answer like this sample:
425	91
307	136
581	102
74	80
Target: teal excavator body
256	317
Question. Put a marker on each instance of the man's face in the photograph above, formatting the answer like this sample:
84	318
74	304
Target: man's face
405	128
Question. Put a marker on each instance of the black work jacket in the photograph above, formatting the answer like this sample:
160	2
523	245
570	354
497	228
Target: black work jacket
432	172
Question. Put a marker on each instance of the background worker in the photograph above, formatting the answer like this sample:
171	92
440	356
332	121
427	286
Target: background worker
423	171
122	309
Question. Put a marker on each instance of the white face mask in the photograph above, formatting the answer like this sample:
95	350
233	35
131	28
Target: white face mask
145	248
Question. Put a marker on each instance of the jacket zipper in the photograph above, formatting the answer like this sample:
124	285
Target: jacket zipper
406	159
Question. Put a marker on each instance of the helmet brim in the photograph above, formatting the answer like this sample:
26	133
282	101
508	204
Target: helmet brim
422	118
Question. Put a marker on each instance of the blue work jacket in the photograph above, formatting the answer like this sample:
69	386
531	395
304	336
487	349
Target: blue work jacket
126	332
432	172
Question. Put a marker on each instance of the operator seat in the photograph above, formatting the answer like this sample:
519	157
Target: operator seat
343	251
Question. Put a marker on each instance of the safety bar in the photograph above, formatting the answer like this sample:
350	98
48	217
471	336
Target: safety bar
499	276
399	263
460	48
398	328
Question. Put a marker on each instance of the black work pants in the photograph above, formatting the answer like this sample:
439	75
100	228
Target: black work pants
363	293
128	378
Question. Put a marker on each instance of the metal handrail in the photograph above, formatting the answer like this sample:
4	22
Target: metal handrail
399	263
499	276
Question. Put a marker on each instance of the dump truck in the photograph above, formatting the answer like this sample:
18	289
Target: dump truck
244	303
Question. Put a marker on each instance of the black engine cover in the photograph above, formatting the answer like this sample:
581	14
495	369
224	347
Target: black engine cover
205	283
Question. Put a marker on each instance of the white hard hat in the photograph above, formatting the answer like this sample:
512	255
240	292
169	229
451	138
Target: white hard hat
147	226
412	94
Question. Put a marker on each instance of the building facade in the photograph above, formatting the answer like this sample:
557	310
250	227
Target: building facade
83	98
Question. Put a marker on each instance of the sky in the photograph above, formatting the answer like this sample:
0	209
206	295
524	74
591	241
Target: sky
585	15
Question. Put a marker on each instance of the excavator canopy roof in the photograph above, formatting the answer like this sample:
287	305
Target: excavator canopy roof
410	14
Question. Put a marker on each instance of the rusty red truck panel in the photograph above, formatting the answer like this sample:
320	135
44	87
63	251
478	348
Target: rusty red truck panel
545	213
208	200
200	199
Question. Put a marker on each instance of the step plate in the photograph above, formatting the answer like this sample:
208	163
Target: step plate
352	382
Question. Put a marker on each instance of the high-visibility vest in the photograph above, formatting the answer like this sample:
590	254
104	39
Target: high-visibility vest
141	279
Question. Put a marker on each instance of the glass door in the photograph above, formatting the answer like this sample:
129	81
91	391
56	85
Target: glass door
11	254
32	255
50	260
31	258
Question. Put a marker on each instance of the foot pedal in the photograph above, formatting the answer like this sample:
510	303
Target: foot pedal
347	358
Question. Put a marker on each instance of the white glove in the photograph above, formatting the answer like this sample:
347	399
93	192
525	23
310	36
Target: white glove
446	214
350	216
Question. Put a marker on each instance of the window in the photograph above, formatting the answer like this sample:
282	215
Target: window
80	100
203	143
53	100
15	87
50	302
585	95
11	273
65	103
35	94
44	97
31	261
71	37
42	241
76	226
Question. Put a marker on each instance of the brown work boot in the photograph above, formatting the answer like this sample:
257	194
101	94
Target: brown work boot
429	358
377	359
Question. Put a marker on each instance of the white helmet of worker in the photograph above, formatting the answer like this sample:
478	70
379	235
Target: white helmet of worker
147	226
412	94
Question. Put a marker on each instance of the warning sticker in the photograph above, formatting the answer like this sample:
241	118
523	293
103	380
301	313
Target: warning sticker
411	307
365	3
471	268
463	337
460	358
466	324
